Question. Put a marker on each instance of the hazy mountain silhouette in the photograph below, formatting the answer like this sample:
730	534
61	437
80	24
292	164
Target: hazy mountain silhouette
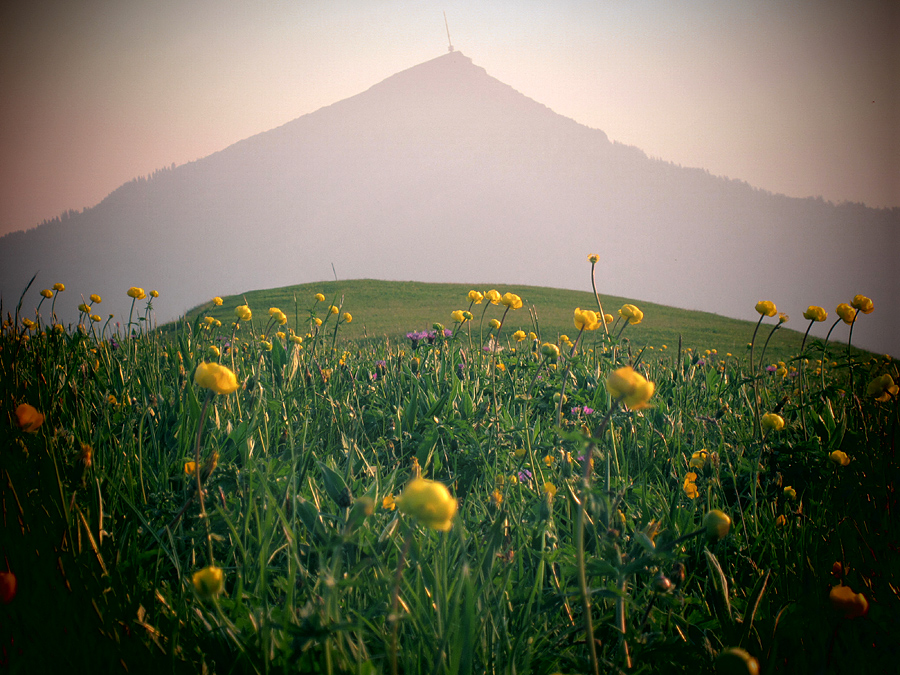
443	173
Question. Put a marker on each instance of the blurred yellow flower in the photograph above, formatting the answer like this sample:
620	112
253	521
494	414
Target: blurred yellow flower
609	318
296	339
550	489
511	300
848	603
84	308
475	297
136	293
699	459
216	377
59	288
717	524
846	312
320	297
882	388
550	351
95	318
457	316
243	312
815	313
495	324
766	308
630	387
28	419
790	493
47	293
690	487
632	313
593	258
586	319
493	296
333	309
317	321
783	318
208	582
217	301
772	422
429	502
862	303
190	468
389	503
519	335
548	460
839	457
154	294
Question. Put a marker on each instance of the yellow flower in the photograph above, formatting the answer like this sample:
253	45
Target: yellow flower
520	452
496	497
214	351
208	582
882	388
154	294
429	502
493	296
190	468
84	308
630	387
766	308
699	459
511	300
609	318
736	661
28	419
815	313
790	493
548	460
457	316
717	524
333	309
216	378
475	297
265	344
348	317
593	258
95	318
47	293
280	318
690	488
839	457
586	319
296	339
862	303
550	490
772	422
783	318
59	288
848	603
389	503
495	324
550	351
519	335
136	293
243	313
317	321
846	312
217	301
632	313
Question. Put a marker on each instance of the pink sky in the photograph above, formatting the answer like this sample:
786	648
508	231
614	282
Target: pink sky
797	98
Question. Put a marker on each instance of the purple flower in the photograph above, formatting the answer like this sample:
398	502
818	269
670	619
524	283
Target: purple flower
701	362
771	369
579	409
524	476
113	343
416	336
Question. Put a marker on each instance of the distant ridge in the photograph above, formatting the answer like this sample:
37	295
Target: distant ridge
441	172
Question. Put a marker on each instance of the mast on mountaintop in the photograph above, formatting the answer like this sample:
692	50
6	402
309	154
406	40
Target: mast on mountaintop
447	26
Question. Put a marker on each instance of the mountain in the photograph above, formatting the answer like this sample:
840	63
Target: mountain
442	173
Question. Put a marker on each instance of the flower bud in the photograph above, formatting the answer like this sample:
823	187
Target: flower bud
717	524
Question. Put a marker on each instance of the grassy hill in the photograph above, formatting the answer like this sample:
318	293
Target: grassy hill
389	309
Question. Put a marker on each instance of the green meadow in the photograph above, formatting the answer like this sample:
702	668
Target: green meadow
272	486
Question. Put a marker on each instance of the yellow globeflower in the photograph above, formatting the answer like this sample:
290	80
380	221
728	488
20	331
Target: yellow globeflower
243	312
217	301
59	288
511	300
630	387
457	316
333	309
632	313
815	313
28	419
766	308
475	297
846	312
593	258
47	293
772	422
495	324
839	457
348	317
84	308
493	296
208	582
136	293
736	661
717	524
586	319
609	318
96	318
216	378
519	335
429	502
882	388
154	294
862	303
551	351
848	603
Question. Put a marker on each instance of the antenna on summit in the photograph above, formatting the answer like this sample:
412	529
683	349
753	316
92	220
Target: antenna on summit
447	26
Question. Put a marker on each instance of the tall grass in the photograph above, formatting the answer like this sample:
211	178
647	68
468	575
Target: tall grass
577	516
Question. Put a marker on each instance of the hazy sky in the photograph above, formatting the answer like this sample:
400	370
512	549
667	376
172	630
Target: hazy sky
794	96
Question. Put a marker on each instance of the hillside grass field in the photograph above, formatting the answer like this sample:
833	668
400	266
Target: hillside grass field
271	486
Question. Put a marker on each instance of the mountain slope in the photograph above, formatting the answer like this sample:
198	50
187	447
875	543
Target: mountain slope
441	173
